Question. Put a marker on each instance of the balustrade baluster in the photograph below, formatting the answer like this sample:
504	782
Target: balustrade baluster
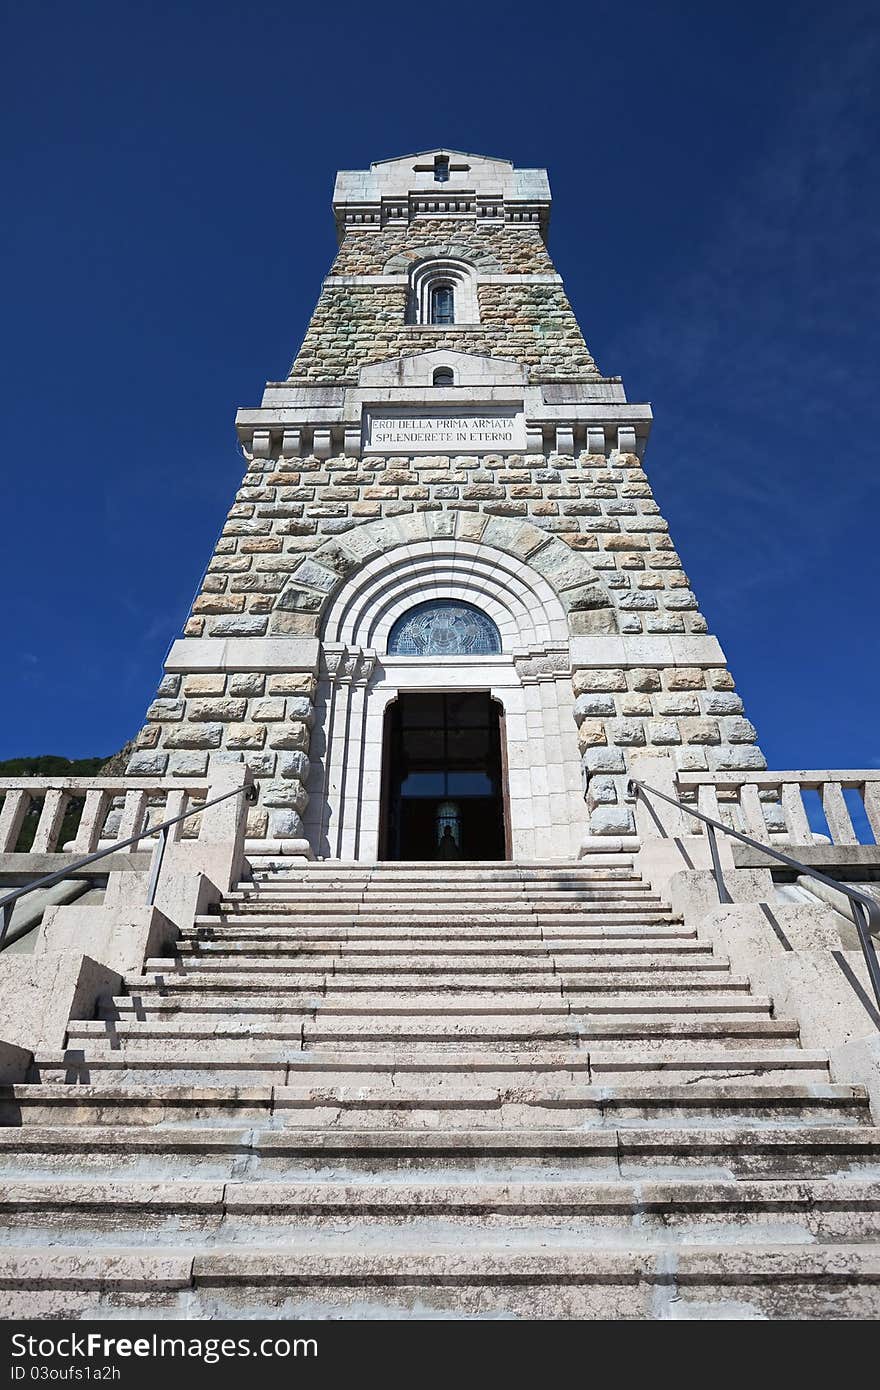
707	802
15	807
175	805
49	824
754	823
91	822
796	818
837	815
871	797
133	815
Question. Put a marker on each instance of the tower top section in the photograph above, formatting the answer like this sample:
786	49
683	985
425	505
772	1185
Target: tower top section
440	183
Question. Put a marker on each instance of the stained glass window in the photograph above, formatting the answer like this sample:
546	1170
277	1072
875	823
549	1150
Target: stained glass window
444	627
442	304
447	830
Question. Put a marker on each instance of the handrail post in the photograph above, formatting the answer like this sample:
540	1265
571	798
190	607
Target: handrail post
220	844
869	951
723	895
156	865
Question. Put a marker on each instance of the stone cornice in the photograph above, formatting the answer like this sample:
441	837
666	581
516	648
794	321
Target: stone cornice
456	206
397	192
401	281
326	429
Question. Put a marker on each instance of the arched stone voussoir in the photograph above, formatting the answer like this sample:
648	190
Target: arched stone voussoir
347	552
481	257
300	606
303	603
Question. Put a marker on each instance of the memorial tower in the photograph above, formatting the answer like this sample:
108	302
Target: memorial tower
444	609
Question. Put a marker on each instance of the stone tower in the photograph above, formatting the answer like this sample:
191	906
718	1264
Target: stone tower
444	610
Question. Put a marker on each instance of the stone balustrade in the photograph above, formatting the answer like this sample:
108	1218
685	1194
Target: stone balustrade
101	810
770	806
87	813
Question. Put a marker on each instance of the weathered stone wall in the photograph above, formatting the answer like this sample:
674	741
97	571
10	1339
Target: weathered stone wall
504	250
259	583
294	533
529	323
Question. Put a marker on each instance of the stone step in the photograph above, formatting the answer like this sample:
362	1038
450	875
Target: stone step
665	1213
401	1004
225	1064
431	934
608	876
222	929
483	871
551	955
427	914
443	1026
622	975
389	970
647	1151
252	1045
570	1281
393	890
401	898
148	1105
451	922
321	954
422	1106
464	943
224	979
305	984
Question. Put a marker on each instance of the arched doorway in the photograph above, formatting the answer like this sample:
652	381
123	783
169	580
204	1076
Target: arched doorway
412	620
444	785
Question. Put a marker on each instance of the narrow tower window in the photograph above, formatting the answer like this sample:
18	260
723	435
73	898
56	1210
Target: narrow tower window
443	376
442	304
443	290
441	168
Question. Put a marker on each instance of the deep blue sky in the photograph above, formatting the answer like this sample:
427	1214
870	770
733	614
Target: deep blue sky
167	176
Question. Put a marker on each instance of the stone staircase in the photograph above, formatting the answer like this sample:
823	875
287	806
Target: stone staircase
482	1090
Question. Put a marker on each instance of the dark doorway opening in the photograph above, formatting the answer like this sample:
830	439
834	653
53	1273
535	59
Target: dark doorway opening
443	782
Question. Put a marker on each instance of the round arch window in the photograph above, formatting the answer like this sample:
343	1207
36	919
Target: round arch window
442	304
443	376
444	627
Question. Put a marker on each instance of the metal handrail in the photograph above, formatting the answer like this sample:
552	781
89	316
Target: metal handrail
865	910
8	901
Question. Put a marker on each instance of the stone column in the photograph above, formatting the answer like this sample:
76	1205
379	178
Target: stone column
352	794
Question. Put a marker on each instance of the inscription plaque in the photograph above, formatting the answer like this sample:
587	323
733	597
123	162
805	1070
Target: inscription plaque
439	431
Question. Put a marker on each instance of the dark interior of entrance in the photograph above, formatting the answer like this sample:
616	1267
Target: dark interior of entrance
443	781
